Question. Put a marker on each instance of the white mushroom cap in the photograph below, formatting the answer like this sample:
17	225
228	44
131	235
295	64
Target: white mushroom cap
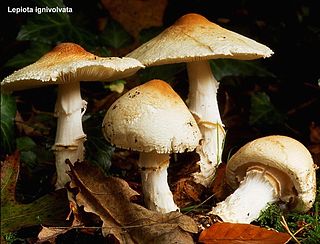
193	38
69	62
151	117
287	164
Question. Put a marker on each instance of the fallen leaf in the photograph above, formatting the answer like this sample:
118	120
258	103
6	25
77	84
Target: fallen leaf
219	187
50	209
33	126
230	233
136	15
49	234
186	192
110	198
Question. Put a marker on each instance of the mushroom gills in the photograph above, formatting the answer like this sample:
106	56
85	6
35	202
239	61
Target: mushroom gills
246	203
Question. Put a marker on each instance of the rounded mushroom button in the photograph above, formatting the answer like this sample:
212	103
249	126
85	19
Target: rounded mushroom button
269	169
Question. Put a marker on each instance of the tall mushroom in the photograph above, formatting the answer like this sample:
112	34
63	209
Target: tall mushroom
266	170
66	65
154	120
195	40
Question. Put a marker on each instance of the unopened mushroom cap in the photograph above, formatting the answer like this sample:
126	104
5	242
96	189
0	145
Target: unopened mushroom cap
282	158
151	117
69	62
192	38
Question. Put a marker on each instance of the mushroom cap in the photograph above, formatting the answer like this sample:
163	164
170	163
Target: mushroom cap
69	62
193	38
285	161
151	117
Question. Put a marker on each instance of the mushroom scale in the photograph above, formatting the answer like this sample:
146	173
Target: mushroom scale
266	170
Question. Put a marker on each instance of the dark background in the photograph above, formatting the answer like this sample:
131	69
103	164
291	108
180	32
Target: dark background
290	28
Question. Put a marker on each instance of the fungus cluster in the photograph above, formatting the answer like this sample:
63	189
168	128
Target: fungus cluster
153	119
194	40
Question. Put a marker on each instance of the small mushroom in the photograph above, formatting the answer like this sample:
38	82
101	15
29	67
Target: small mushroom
195	40
66	65
154	120
267	170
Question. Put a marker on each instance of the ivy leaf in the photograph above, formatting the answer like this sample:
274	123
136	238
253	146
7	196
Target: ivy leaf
263	112
32	54
26	146
53	27
99	151
42	26
147	34
25	143
115	36
50	209
231	67
163	72
8	112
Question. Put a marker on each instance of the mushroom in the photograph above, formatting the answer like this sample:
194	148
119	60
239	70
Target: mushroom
195	40
153	120
66	65
267	170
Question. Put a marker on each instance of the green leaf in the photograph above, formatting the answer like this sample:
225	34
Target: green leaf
8	112
115	36
147	34
263	112
52	28
99	151
103	153
163	72
50	209
231	67
36	50
26	146
25	143
116	86
30	158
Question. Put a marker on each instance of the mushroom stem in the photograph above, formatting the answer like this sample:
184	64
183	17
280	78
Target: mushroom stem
154	176
203	104
246	203
70	137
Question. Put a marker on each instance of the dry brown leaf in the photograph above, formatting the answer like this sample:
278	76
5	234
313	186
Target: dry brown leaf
230	233
49	234
186	192
219	187
135	15
32	126
110	198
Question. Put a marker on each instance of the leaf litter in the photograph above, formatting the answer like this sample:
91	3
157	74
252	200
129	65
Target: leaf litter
111	199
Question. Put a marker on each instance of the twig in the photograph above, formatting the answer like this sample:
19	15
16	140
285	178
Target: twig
285	225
